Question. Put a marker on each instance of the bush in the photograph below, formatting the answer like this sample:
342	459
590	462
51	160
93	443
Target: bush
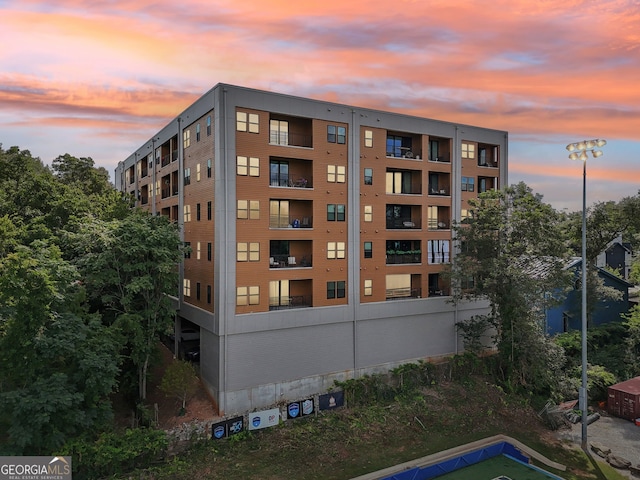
116	452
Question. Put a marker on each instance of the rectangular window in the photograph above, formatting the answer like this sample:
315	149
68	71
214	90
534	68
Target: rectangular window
248	296
279	132
368	249
197	172
209	210
468	184
279	173
209	251
336	289
197	290
186	138
398	182
186	287
249	209
209	168
248	252
336	213
468	150
254	123
335	250
197	134
209	294
368	288
198	212
368	213
241	121
368	176
279	293
336	134
186	213
368	138
208	125
248	166
198	251
438	251
187	249
187	176
336	173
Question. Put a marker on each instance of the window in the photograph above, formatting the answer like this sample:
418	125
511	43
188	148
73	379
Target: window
208	293
368	138
187	249
368	176
208	125
368	249
433	150
186	213
197	290
336	134
465	215
279	132
336	213
198	251
368	288
279	213
432	217
336	289
482	158
249	209
186	138
186	287
248	296
279	293
247	122
197	132
248	166
209	251
187	176
368	213
483	185
209	210
398	146
248	252
335	250
279	173
198	212
438	251
209	168
197	172
336	174
468	184
398	182
468	150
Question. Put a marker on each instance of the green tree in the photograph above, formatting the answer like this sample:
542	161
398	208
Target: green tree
180	381
632	321
59	364
130	267
514	249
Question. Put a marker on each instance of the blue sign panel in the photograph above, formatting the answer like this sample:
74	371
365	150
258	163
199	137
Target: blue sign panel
226	428
300	409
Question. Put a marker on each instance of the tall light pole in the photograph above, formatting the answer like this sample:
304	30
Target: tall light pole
579	152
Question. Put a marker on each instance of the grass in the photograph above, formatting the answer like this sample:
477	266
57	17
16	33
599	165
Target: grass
363	438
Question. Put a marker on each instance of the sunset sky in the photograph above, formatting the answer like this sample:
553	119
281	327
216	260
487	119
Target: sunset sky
97	78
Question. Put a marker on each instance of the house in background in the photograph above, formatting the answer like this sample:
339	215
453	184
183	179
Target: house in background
566	316
617	255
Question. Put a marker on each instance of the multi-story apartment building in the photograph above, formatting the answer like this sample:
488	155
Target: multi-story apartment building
318	234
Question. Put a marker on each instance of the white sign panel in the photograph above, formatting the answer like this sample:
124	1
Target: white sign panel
264	419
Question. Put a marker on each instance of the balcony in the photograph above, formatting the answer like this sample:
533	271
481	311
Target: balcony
290	173
403	293
439	149
401	252
437	287
439	184
401	217
289	302
408	182
288	294
404	145
290	214
290	131
290	253
487	155
439	218
403	286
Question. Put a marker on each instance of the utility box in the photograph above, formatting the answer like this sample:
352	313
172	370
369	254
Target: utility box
624	399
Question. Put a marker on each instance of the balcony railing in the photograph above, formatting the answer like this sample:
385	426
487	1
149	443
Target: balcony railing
403	293
438	292
403	258
286	261
396	224
278	221
293	301
443	157
439	191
